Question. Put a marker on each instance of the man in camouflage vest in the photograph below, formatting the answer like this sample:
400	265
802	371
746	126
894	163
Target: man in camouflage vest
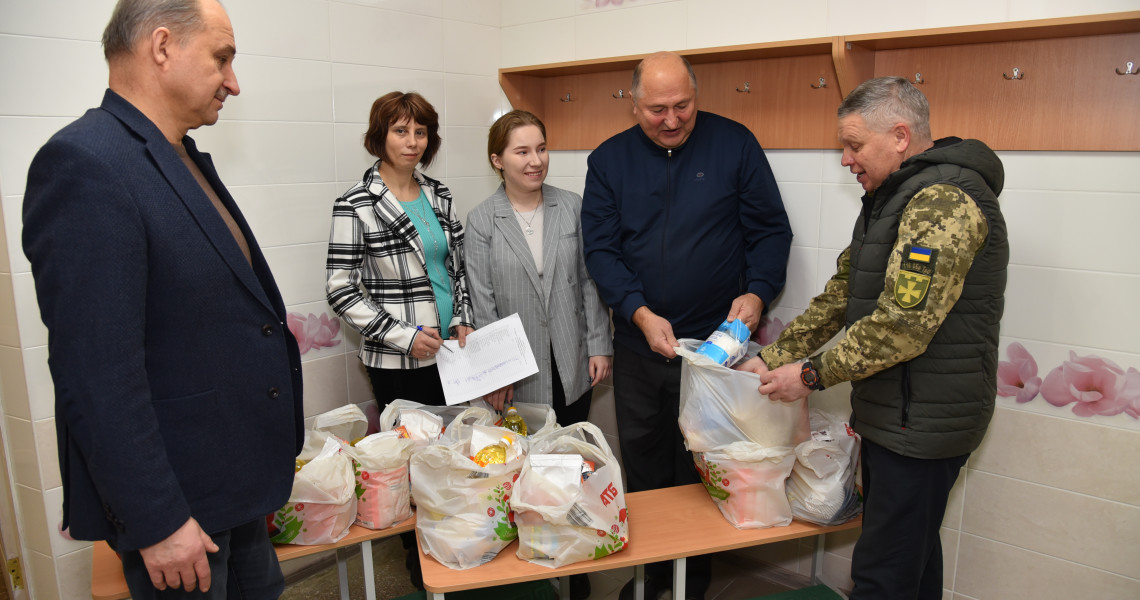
920	291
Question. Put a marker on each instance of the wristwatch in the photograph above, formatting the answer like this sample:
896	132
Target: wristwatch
809	376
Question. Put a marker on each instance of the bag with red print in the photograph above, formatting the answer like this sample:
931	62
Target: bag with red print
463	515
569	502
322	504
380	463
743	444
746	482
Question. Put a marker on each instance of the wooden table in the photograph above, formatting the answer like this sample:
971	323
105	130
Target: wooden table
108	583
664	524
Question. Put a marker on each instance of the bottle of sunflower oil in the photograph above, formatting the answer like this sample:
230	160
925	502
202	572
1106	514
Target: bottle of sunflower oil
493	454
514	421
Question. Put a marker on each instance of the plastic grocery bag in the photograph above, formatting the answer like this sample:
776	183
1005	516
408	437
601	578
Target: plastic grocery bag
743	444
322	504
746	481
821	488
461	428
314	443
426	424
462	513
539	417
380	464
721	406
347	422
569	502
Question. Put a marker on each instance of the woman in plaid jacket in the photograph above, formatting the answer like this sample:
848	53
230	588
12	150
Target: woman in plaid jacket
395	269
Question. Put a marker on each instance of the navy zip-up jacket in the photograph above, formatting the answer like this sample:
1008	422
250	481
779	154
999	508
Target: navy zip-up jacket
683	231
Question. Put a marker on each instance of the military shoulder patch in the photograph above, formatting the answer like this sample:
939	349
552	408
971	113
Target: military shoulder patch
915	272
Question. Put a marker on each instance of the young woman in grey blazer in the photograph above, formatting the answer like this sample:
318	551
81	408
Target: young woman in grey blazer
524	255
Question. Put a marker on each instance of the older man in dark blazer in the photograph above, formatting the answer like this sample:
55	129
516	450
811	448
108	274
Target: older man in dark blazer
177	383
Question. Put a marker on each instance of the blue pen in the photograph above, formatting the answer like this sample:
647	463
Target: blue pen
441	345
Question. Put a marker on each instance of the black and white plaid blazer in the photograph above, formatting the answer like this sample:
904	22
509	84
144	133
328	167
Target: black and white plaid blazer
376	277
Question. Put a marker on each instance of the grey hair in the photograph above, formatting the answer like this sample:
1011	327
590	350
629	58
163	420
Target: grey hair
635	89
133	19
884	101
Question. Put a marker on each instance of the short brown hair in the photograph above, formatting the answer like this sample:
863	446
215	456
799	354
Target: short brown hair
500	134
394	107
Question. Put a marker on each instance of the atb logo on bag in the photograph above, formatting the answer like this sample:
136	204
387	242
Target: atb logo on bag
609	494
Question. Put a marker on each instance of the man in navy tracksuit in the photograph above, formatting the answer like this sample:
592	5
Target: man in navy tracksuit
683	227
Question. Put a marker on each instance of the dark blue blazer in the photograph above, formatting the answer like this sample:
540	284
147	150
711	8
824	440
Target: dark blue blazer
177	382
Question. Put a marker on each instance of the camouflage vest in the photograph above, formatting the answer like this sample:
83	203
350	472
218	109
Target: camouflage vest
938	404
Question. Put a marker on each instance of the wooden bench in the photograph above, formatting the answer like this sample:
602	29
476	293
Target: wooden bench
108	583
664	524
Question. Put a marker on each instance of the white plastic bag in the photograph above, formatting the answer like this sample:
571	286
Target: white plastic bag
540	418
426	424
380	464
720	406
347	422
746	481
322	504
743	443
566	515
821	488
462	513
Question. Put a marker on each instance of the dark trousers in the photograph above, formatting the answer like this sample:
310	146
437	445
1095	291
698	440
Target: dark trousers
418	385
647	403
899	553
577	411
244	567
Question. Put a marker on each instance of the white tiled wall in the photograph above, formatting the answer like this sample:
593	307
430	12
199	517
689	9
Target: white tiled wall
309	71
1047	508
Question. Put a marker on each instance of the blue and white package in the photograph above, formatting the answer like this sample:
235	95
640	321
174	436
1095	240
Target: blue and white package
728	344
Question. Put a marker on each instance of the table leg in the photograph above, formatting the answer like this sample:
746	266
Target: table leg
369	578
639	582
679	578
435	595
564	587
817	561
342	572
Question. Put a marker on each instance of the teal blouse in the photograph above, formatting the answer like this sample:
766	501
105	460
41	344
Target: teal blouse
436	252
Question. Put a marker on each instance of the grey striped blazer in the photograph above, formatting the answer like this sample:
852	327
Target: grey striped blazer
562	307
376	278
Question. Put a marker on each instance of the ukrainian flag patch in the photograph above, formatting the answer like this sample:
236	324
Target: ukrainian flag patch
916	273
919	253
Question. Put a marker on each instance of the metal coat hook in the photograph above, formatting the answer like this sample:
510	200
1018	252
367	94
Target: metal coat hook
918	78
748	87
1128	69
1017	74
620	94
822	84
566	98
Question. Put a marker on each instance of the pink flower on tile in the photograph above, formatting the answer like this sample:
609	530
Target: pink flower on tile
314	332
1018	375
770	329
1096	385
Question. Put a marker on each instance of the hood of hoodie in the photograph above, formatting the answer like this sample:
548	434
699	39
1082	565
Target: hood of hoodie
969	154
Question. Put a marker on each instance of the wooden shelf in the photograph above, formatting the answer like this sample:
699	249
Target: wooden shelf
1070	96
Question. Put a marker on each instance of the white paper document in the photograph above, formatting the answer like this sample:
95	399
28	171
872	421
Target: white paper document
496	355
